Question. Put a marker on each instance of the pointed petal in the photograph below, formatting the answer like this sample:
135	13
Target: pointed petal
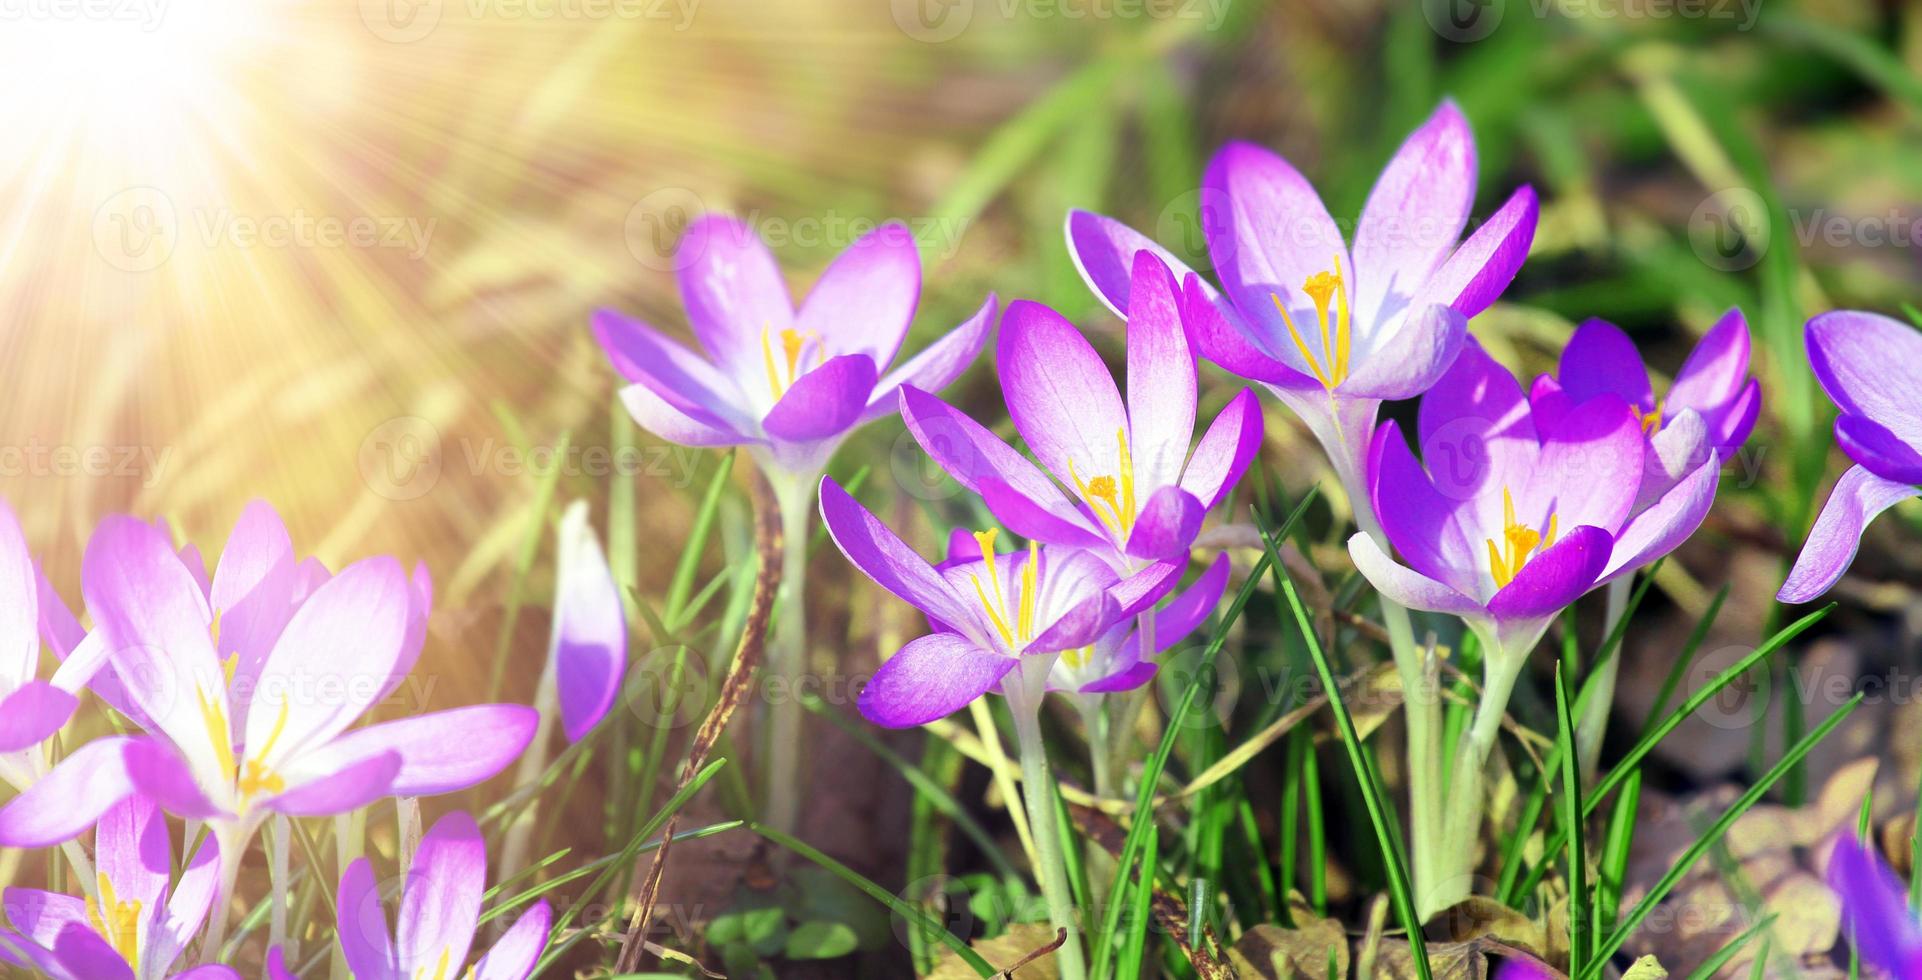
1477	432
1404	585
82	953
929	679
518	950
1870	365
1590	467
1161	377
440	904
1716	371
733	292
1668	522
1167	525
1024	517
42	915
32	713
132	849
678	376
157	770
1484	265
253	595
440	752
1217	334
1672	454
865	298
1187	611
19	605
1059	393
70	799
1877	449
343	790
1421	522
1413	357
1875	908
874	549
1600	359
1104	251
1414	214
350	631
1082	624
1139	592
188	904
365	940
979	460
678	425
1556	577
1225	450
1856	500
589	644
823	402
937	365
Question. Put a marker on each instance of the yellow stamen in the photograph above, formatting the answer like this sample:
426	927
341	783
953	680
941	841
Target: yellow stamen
440	970
1505	561
1000	602
218	733
1652	421
1329	292
793	342
119	926
1022	629
259	777
1118	497
1030	585
1077	657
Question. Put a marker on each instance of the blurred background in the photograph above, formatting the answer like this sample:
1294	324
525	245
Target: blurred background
341	255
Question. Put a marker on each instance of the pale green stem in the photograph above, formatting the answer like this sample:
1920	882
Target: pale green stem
277	857
233	839
1100	864
1461	833
407	823
1593	723
787	655
349	843
533	763
1037	791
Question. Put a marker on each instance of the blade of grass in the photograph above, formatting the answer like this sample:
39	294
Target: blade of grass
1579	935
535	530
1141	915
682	583
1712	966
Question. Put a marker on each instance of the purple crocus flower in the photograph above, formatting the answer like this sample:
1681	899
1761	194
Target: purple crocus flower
1113	662
1515	515
1875	909
1871	367
987	615
788	384
588	652
137	922
1515	968
31	710
1711	406
440	907
1137	494
1333	329
248	696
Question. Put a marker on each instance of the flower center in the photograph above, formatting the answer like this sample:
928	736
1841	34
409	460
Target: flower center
117	922
1330	295
1112	501
793	342
259	777
1505	561
996	606
1652	421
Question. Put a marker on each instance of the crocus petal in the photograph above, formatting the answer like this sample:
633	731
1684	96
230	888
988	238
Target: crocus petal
1417	354
58	626
71	798
1600	359
865	298
1515	968
1225	450
215	971
937	365
340	791
589	645
680	377
19	605
1185	612
1414	214
157	770
733	291
1082	624
1059	393
441	902
679	425
1267	234
1870	365
1672	454
132	849
1139	592
365	940
1668	522
1555	577
929	679
156	623
1856	500
1403	585
348	631
440	752
1589	470
1738	419
1875	909
32	713
41	916
880	555
1878	450
83	953
980	461
252	593
823	402
1167	525
1023	516
1216	333
188	903
518	950
1104	251
1716	371
1477	432
1161	376
1423	523
1486	263
1128	678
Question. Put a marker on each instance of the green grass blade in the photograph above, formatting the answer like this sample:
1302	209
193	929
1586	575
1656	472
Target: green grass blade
682	584
1579	934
